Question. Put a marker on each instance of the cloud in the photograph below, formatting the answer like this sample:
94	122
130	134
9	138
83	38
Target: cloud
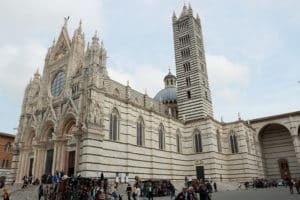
228	79
222	71
145	77
34	17
17	65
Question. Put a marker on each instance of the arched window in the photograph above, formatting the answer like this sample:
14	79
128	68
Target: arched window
116	92
198	142
178	142
140	132
219	141
233	143
114	125
161	137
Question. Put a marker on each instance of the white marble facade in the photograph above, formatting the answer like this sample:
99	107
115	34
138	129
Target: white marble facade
76	119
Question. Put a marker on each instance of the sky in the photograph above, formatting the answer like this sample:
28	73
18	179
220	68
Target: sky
252	49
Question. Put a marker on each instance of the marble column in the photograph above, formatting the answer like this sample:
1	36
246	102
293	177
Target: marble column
77	152
296	143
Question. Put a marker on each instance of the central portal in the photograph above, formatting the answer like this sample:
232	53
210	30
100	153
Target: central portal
71	163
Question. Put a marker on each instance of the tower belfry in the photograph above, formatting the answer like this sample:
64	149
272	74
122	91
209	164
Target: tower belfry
193	93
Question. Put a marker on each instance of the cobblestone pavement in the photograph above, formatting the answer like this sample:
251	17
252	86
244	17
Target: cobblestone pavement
258	194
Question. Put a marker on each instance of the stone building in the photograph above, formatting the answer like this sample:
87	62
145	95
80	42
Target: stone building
6	155
76	119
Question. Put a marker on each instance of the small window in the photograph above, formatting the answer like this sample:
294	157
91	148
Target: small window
187	67
161	137
178	143
7	147
198	142
189	95
188	81
219	141
206	95
233	144
202	67
4	163
140	132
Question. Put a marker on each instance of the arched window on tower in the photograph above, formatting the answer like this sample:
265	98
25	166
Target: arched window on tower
233	142
140	132
219	141
161	137
114	125
197	141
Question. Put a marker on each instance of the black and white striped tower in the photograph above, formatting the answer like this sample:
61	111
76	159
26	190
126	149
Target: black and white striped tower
193	93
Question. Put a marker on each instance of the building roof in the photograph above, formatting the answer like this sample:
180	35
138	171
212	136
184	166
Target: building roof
7	135
273	117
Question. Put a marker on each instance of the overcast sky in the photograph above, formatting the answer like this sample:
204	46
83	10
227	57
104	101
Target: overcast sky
252	48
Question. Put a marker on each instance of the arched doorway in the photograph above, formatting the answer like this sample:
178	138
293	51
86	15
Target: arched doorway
68	148
278	154
27	155
48	140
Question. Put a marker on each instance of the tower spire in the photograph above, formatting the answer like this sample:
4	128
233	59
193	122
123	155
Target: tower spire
174	17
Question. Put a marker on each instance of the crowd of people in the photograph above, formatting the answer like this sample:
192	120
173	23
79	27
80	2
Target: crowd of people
61	187
265	183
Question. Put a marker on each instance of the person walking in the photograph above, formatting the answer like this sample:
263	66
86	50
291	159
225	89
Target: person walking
191	195
215	187
41	191
150	191
172	191
128	191
203	192
138	192
134	192
5	194
297	186
291	185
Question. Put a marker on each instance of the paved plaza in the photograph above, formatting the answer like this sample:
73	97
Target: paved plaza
258	194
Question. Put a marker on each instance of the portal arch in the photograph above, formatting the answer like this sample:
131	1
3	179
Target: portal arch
277	146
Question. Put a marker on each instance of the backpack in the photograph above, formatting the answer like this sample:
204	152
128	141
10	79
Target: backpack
134	190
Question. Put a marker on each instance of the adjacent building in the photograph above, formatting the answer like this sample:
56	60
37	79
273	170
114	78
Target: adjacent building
6	155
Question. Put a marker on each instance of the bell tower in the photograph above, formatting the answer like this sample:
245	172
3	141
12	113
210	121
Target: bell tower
193	93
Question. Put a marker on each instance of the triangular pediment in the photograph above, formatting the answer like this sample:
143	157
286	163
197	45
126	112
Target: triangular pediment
62	46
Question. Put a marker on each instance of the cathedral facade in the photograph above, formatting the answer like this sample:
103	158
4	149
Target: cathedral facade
76	119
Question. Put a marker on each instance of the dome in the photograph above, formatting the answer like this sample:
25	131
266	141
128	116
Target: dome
169	76
166	94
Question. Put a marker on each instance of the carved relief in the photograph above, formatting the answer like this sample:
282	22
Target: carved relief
62	50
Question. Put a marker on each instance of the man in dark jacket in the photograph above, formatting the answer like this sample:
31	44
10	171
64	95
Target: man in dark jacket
41	191
203	191
128	190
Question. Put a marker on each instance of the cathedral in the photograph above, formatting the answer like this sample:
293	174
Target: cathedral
76	119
